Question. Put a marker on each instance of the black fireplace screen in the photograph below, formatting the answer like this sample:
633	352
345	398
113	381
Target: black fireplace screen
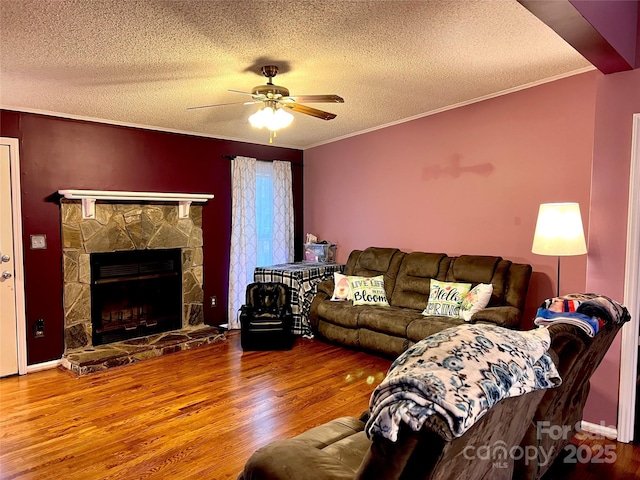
135	294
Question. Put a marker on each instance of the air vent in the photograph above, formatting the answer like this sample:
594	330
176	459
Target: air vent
110	271
135	263
157	267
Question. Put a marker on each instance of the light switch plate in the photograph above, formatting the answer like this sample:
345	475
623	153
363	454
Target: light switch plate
38	242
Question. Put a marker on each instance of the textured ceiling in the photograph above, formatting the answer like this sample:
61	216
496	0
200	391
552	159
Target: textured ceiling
143	62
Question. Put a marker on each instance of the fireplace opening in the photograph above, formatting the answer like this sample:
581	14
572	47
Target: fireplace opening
135	294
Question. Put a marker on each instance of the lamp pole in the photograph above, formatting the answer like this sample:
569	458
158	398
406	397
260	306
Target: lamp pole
558	283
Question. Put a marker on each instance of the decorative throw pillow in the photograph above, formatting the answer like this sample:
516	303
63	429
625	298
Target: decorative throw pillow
368	290
476	300
445	298
341	291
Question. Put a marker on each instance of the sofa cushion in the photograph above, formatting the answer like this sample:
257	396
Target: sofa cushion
503	316
500	286
340	313
517	279
376	261
414	277
481	269
425	326
389	320
383	343
338	334
472	268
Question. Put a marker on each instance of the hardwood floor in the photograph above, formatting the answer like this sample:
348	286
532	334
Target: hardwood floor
195	414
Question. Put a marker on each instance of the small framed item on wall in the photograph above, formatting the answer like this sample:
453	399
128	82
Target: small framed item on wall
38	242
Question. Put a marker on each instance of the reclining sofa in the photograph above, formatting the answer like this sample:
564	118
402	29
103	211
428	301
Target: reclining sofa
341	450
390	330
578	357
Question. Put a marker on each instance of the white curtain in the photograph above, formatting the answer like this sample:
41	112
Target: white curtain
261	223
282	213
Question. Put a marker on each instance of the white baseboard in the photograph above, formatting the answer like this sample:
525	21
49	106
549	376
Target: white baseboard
600	430
38	367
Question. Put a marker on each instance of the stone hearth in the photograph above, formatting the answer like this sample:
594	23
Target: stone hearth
115	354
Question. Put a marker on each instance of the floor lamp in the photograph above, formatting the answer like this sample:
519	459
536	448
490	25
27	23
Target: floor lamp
559	232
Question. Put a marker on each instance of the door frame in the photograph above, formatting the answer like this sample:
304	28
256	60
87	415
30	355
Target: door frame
18	253
629	351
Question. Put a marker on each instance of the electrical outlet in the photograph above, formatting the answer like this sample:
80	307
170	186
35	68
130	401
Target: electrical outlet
38	328
214	301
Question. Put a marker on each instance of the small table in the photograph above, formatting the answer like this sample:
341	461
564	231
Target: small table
303	279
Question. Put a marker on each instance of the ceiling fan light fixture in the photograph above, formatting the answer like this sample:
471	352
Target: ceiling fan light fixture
276	100
272	118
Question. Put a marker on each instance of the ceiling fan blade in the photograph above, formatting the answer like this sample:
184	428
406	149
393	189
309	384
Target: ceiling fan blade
239	91
314	112
317	98
219	105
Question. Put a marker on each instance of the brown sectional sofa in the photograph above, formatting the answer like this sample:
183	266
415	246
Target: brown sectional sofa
407	278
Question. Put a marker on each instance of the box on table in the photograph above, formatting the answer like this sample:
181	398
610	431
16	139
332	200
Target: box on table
320	252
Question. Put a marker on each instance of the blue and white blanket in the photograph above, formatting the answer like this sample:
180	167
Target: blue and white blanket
459	374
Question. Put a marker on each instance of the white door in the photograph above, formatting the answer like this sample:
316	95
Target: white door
8	320
628	404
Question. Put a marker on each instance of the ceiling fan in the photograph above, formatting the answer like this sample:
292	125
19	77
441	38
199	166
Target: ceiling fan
276	96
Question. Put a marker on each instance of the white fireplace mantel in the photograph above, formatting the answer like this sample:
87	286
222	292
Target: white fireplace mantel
89	197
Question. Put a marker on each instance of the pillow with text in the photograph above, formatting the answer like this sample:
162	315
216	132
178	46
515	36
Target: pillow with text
445	298
368	290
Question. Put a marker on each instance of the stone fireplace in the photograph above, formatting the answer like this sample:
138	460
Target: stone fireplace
135	293
118	227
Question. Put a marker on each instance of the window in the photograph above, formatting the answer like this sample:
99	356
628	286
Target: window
264	212
261	223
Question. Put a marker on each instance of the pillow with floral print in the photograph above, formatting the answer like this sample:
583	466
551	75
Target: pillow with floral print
477	298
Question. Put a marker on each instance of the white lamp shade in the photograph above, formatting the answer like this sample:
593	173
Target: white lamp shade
559	230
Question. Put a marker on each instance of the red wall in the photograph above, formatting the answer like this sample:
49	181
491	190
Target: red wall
466	181
58	153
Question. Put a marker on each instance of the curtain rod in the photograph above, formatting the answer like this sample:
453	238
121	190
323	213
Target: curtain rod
232	157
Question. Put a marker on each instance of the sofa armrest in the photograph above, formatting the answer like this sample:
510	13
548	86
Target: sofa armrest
326	287
294	459
328	452
503	316
325	292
